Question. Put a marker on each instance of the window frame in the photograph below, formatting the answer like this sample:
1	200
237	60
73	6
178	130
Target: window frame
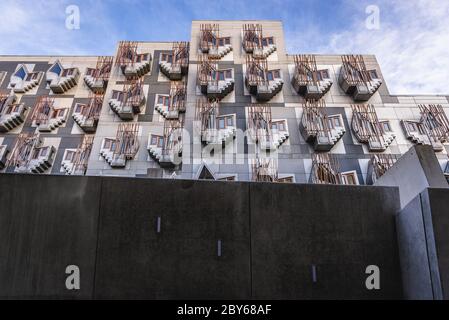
351	173
68	153
165	100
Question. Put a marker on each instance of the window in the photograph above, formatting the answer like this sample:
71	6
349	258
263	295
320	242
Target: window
229	122
386	126
154	139
90	71
163	100
79	107
21	73
412	127
35	154
324	74
224	41
61	112
44	152
267	41
109	144
278	125
285	180
373	74
118	95
230	178
69	155
157	140
350	178
273	74
222	74
334	121
32	76
221	123
68	72
167	57
225	121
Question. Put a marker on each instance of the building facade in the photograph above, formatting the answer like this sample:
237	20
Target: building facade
230	104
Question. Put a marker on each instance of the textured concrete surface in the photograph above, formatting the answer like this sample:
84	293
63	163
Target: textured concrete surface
439	204
154	238
413	252
415	171
181	261
46	224
339	230
424	245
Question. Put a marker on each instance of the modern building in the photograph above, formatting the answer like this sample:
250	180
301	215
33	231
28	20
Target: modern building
230	104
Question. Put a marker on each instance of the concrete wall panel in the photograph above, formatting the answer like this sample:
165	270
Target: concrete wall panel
135	261
339	230
46	224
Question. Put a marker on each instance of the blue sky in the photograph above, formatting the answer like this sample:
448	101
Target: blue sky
411	43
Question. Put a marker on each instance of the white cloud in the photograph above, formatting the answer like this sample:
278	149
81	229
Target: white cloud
411	44
39	27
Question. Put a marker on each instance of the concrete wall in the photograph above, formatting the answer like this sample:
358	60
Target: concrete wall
415	171
268	235
339	230
423	245
46	224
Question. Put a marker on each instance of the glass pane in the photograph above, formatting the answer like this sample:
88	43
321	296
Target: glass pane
21	73
44	151
324	74
281	126
56	69
337	122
